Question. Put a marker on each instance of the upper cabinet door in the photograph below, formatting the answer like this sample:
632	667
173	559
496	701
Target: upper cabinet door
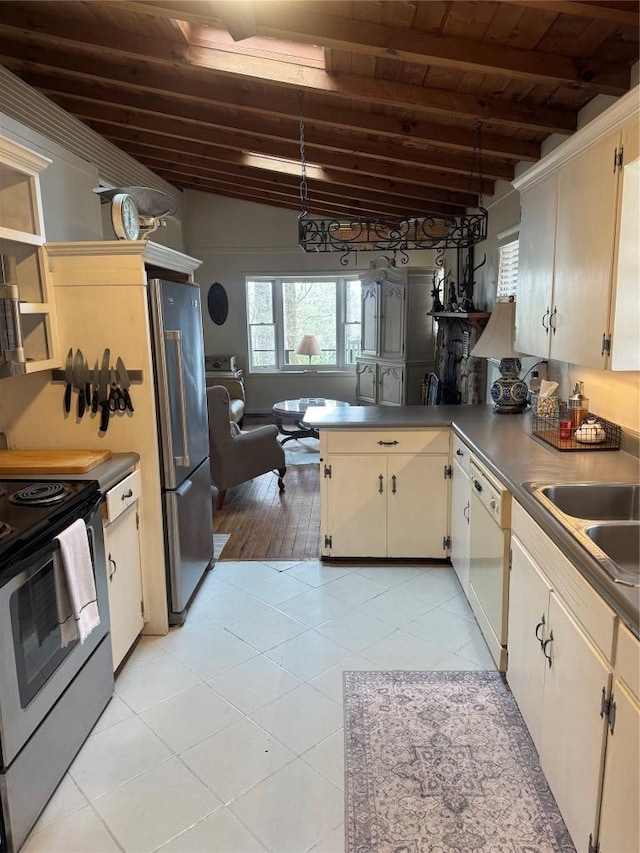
392	320
370	319
625	352
585	235
535	268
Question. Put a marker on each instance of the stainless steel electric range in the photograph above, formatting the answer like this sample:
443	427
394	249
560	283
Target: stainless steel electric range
51	695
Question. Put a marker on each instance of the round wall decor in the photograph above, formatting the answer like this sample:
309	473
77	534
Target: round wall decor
218	303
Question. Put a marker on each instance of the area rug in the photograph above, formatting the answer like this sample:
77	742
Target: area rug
442	761
219	541
302	451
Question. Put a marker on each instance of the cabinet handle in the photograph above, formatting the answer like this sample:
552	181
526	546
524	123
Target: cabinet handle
388	443
380	482
459	453
127	495
115	567
545	326
544	648
393	484
552	325
465	512
477	486
538	626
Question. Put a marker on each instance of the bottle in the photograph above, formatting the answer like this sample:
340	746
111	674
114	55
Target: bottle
578	405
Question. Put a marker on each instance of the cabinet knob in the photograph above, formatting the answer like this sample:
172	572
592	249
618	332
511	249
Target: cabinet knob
126	495
459	453
388	443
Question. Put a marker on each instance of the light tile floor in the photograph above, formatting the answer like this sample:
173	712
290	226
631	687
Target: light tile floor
226	735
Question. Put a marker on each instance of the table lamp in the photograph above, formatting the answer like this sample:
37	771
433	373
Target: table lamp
509	392
308	345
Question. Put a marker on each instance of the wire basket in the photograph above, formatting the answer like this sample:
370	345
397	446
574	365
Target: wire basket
547	429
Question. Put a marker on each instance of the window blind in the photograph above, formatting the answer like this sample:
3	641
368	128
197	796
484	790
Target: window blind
508	270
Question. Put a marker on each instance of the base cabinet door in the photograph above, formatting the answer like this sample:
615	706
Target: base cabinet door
460	530
122	547
354	507
417	514
574	732
619	818
529	595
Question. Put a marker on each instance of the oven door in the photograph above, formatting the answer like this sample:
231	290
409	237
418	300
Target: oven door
35	668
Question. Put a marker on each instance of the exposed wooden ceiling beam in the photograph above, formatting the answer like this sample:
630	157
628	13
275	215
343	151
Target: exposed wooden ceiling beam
295	22
285	106
295	76
613	14
230	147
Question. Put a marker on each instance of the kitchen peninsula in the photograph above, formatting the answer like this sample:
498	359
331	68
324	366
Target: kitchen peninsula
572	654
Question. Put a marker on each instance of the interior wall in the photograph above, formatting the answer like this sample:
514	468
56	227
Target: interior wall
235	239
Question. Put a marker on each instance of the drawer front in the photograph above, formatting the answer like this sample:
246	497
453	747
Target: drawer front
628	660
122	496
387	441
461	453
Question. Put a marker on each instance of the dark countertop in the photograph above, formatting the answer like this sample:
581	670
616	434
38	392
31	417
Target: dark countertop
507	448
107	473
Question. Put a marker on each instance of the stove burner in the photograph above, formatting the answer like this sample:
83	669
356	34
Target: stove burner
5	530
39	494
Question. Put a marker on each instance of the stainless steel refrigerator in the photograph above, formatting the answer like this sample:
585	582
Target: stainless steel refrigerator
176	319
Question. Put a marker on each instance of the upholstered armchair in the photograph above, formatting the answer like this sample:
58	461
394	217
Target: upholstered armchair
237	456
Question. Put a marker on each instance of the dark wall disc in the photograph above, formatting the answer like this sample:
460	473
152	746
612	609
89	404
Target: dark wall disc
218	303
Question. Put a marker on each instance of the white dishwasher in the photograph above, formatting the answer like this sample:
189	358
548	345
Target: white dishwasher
490	522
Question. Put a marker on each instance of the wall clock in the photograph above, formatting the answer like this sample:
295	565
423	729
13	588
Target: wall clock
125	217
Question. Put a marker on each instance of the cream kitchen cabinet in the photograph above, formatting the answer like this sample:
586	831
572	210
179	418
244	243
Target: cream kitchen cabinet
568	307
396	348
28	337
122	547
619	820
561	640
460	504
384	493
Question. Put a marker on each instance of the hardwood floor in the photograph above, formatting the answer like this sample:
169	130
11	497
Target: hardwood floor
267	524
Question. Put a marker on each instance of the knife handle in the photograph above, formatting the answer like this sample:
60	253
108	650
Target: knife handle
67	398
94	401
81	402
127	400
87	394
104	417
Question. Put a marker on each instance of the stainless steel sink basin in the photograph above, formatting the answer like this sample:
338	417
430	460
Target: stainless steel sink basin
598	501
603	517
620	542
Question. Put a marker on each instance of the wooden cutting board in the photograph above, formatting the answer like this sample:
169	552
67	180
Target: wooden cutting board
51	461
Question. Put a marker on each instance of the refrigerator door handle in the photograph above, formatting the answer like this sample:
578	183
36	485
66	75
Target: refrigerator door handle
176	337
184	487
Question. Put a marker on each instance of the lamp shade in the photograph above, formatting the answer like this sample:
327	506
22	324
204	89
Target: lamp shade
497	339
308	345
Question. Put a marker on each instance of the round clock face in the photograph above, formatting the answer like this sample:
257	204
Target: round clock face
125	218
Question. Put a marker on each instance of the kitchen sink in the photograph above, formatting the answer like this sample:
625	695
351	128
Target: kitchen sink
620	542
603	517
598	501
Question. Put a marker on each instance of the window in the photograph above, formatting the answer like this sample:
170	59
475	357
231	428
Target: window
280	310
508	270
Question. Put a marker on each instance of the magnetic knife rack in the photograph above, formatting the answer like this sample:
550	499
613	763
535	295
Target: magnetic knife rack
58	375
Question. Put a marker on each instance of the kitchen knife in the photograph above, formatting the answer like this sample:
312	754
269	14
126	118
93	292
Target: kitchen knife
103	390
78	380
125	382
87	384
68	378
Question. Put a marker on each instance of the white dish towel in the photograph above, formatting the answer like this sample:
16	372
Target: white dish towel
79	588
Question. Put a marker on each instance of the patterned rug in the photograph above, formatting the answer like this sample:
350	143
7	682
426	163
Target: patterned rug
302	451
442	761
219	541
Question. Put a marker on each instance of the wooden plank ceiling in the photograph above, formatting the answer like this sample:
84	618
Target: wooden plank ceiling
394	93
